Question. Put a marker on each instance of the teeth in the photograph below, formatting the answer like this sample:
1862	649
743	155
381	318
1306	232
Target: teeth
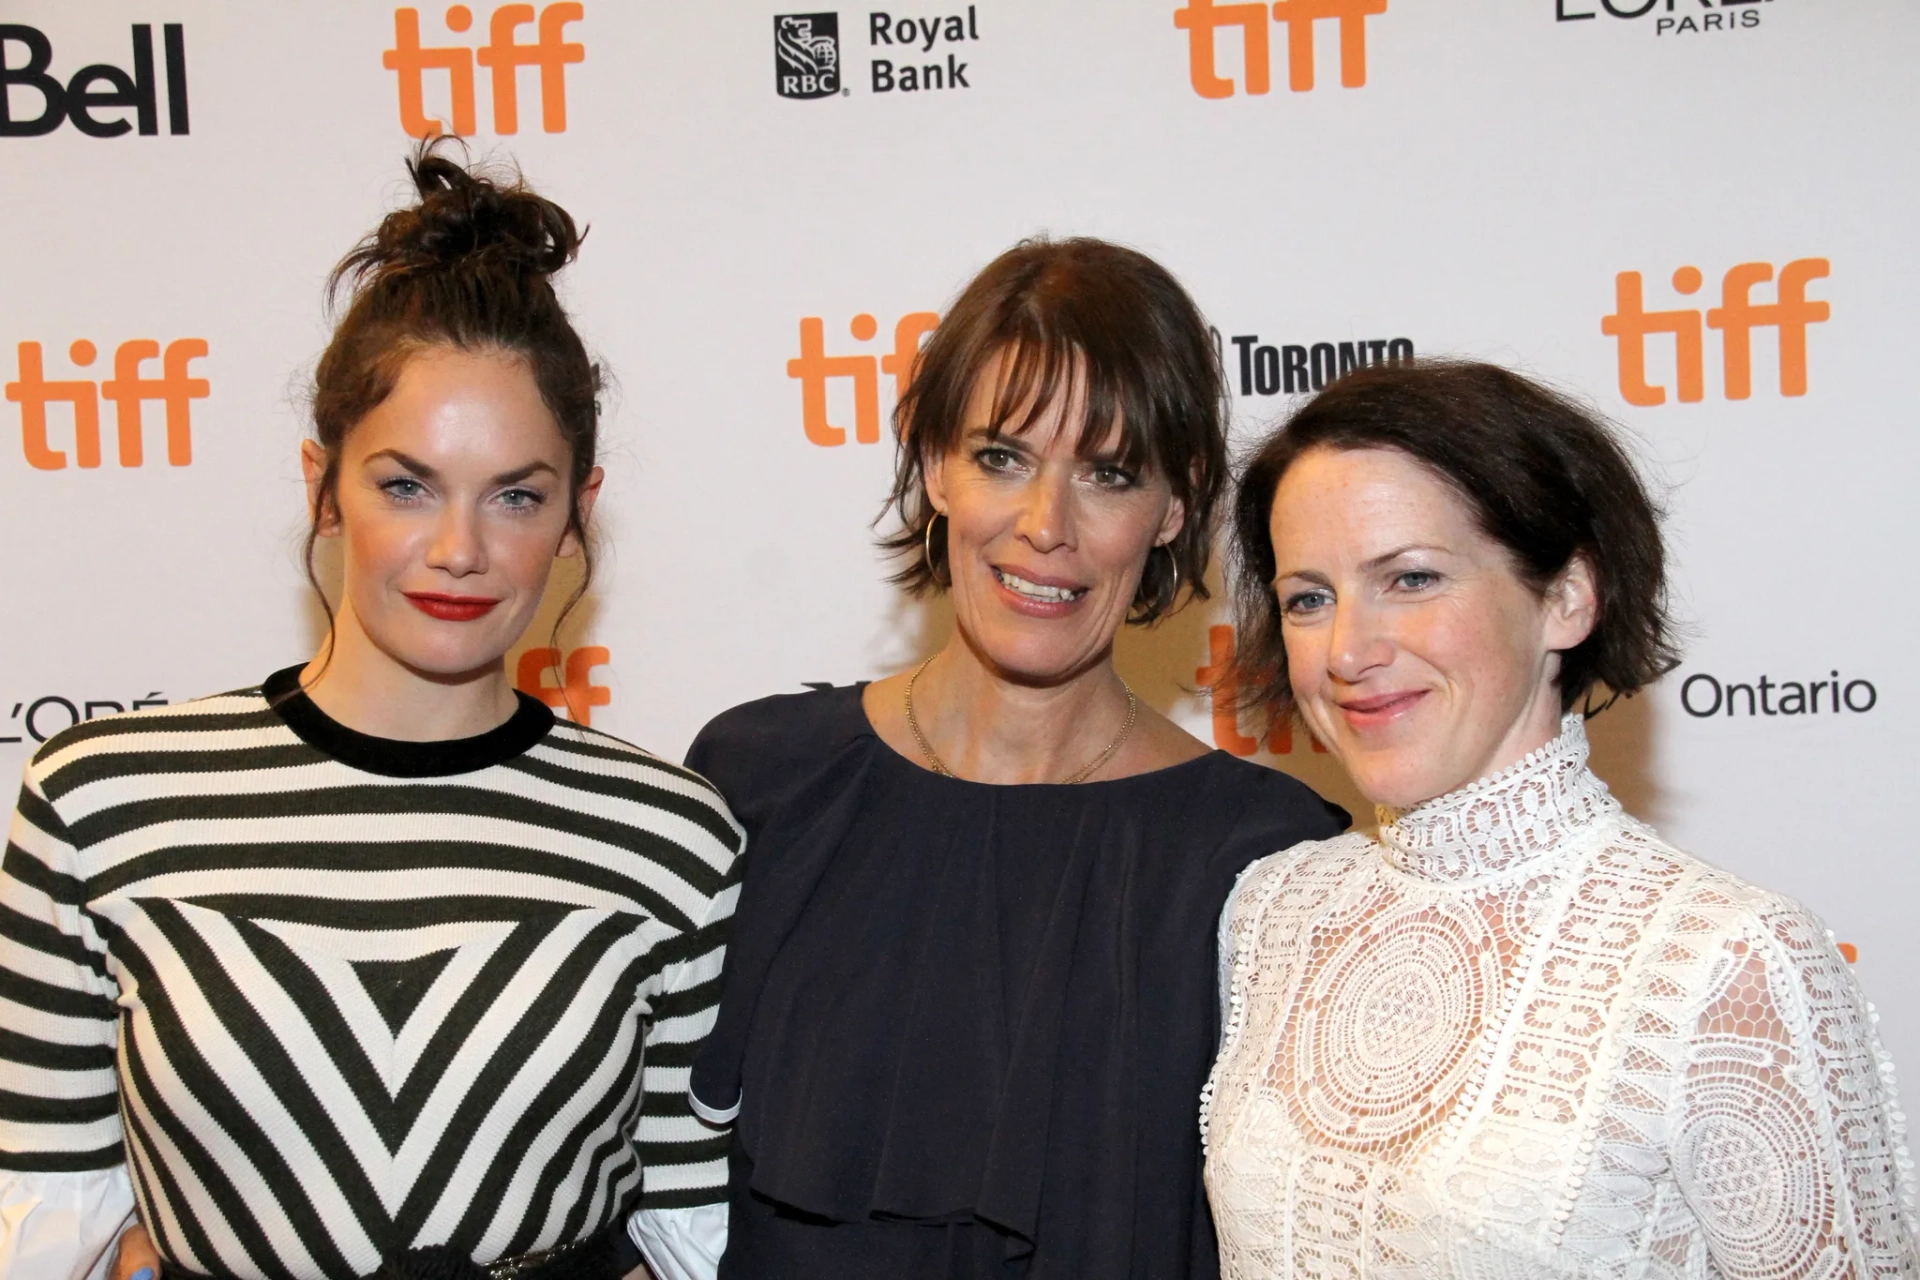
1034	591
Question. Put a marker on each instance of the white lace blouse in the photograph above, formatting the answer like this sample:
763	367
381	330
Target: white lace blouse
1521	1036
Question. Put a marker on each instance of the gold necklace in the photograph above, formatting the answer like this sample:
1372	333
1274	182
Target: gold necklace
939	766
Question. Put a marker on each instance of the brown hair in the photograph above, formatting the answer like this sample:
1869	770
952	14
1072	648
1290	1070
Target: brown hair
1068	310
1544	477
469	266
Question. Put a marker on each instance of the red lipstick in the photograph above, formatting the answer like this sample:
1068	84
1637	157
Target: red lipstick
451	608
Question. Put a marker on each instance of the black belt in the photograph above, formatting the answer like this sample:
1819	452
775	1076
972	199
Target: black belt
595	1258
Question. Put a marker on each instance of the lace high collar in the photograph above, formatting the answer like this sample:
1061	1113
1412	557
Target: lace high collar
1525	812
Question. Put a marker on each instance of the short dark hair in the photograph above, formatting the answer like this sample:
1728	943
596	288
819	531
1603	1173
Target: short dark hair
1544	477
469	266
1063	310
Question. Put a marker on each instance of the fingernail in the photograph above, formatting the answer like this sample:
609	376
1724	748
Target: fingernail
144	1273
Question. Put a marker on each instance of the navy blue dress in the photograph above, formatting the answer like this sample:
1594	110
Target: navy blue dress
967	1025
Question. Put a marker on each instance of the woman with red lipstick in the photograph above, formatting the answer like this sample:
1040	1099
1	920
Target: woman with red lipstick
376	967
968	1004
1516	1033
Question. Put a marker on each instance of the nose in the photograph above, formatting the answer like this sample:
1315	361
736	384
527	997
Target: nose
1046	516
1359	643
457	547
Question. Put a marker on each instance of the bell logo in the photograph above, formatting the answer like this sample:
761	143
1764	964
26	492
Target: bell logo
1202	18
503	54
1217	678
576	694
175	388
80	96
813	367
1737	316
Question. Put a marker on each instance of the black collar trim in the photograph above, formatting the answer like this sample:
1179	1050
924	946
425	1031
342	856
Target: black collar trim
392	758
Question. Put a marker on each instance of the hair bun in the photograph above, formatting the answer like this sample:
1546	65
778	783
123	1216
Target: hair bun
466	219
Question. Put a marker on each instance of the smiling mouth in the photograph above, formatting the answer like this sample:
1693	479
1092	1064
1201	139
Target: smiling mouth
1380	707
451	608
1038	592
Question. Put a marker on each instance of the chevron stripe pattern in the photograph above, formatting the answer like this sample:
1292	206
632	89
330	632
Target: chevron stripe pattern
326	1015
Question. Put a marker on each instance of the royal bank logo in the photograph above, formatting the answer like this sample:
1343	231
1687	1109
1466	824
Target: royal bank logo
806	55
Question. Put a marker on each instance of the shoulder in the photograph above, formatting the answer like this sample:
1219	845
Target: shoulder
651	792
1713	922
1270	810
765	744
153	738
1701	899
1312	867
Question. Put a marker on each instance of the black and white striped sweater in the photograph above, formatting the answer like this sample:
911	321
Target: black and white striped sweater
330	996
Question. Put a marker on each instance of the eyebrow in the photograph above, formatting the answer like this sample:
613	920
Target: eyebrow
1321	579
1390	556
426	472
1018	440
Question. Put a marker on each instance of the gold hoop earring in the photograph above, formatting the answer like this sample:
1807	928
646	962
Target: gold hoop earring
926	547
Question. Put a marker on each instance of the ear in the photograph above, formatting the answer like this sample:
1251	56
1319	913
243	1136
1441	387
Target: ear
1172	523
933	478
588	495
313	466
1572	605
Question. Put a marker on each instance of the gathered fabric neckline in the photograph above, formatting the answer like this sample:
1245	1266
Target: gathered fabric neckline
1527	813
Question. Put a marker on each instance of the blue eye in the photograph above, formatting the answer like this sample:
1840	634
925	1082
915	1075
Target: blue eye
1306	601
405	488
1416	579
523	499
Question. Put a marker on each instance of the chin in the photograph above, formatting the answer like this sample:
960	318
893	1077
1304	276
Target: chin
1398	778
441	656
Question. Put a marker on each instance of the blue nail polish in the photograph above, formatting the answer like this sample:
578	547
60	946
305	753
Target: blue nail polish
144	1273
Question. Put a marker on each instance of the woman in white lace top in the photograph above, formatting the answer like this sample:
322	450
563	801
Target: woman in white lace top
1517	1035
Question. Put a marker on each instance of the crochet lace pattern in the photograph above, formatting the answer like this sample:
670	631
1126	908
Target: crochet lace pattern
1522	1036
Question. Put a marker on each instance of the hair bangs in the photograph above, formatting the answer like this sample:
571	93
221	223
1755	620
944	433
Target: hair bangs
1043	370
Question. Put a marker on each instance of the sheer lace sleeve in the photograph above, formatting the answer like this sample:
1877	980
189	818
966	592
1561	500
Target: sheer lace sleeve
1787	1138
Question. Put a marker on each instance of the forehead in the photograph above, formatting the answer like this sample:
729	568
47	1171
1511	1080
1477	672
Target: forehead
1043	401
449	402
1367	498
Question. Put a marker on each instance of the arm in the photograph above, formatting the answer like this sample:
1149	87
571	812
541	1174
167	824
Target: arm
681	1225
64	1192
1787	1138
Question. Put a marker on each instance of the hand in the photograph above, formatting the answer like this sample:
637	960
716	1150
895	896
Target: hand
135	1258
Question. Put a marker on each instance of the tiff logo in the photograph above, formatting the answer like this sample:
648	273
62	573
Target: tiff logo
503	55
814	367
1217	678
175	389
81	96
1737	316
1202	18
576	694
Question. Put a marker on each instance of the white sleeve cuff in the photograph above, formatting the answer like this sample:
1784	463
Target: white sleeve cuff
713	1115
62	1226
680	1244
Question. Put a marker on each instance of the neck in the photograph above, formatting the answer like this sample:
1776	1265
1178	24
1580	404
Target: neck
370	691
989	728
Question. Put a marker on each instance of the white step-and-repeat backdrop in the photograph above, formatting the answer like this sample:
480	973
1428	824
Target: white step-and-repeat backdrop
1699	214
